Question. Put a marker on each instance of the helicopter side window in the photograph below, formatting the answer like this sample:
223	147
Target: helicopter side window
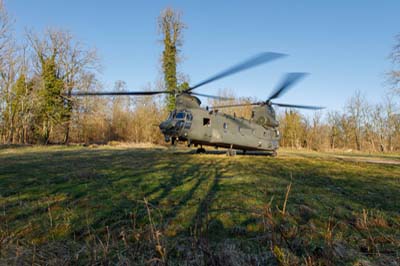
206	121
225	125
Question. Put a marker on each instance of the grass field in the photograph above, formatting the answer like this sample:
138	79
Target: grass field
129	206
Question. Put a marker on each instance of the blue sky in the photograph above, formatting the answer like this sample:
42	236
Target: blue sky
344	45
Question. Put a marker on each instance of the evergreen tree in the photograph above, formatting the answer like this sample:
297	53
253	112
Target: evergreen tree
171	28
52	109
18	91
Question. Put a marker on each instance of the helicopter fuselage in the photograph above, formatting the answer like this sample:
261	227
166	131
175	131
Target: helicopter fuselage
199	126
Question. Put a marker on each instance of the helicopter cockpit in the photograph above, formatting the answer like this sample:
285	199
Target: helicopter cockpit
181	115
177	124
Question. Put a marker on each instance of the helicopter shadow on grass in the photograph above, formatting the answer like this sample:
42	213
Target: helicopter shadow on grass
224	152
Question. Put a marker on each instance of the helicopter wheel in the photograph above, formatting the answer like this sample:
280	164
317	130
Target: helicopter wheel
201	150
274	154
231	152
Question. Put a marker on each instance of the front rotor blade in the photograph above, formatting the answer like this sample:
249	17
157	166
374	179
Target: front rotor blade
118	93
212	96
299	106
249	63
289	80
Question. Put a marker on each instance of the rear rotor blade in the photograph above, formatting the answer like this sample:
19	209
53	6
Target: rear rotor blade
249	63
234	105
118	93
212	96
299	106
289	80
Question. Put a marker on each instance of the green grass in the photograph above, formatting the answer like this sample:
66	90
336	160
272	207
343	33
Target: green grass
86	205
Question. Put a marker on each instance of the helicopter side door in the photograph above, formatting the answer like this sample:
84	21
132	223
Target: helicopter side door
201	125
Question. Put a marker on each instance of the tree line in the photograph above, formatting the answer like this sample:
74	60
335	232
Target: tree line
37	77
39	73
361	126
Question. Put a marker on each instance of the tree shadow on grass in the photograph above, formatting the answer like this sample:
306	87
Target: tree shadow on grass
106	184
329	183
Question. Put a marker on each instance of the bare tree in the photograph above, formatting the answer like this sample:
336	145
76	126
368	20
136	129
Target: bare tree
357	108
391	121
394	75
336	130
74	62
6	38
8	75
291	127
317	133
91	122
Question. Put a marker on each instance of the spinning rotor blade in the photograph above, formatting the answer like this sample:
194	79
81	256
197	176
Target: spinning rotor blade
212	96
299	106
266	103
249	63
289	80
234	105
118	93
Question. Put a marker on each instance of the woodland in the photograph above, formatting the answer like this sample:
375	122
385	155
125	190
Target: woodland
39	74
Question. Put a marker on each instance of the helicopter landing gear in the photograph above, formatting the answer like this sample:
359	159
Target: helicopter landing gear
231	151
274	154
201	150
174	140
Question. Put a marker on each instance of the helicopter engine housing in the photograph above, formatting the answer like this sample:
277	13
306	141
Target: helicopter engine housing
264	115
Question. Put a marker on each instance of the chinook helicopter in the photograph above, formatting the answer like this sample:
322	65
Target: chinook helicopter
198	126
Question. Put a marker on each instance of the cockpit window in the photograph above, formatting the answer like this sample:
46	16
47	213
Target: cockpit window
180	116
171	115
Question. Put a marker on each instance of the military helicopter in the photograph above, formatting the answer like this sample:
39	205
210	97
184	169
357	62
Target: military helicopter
198	126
